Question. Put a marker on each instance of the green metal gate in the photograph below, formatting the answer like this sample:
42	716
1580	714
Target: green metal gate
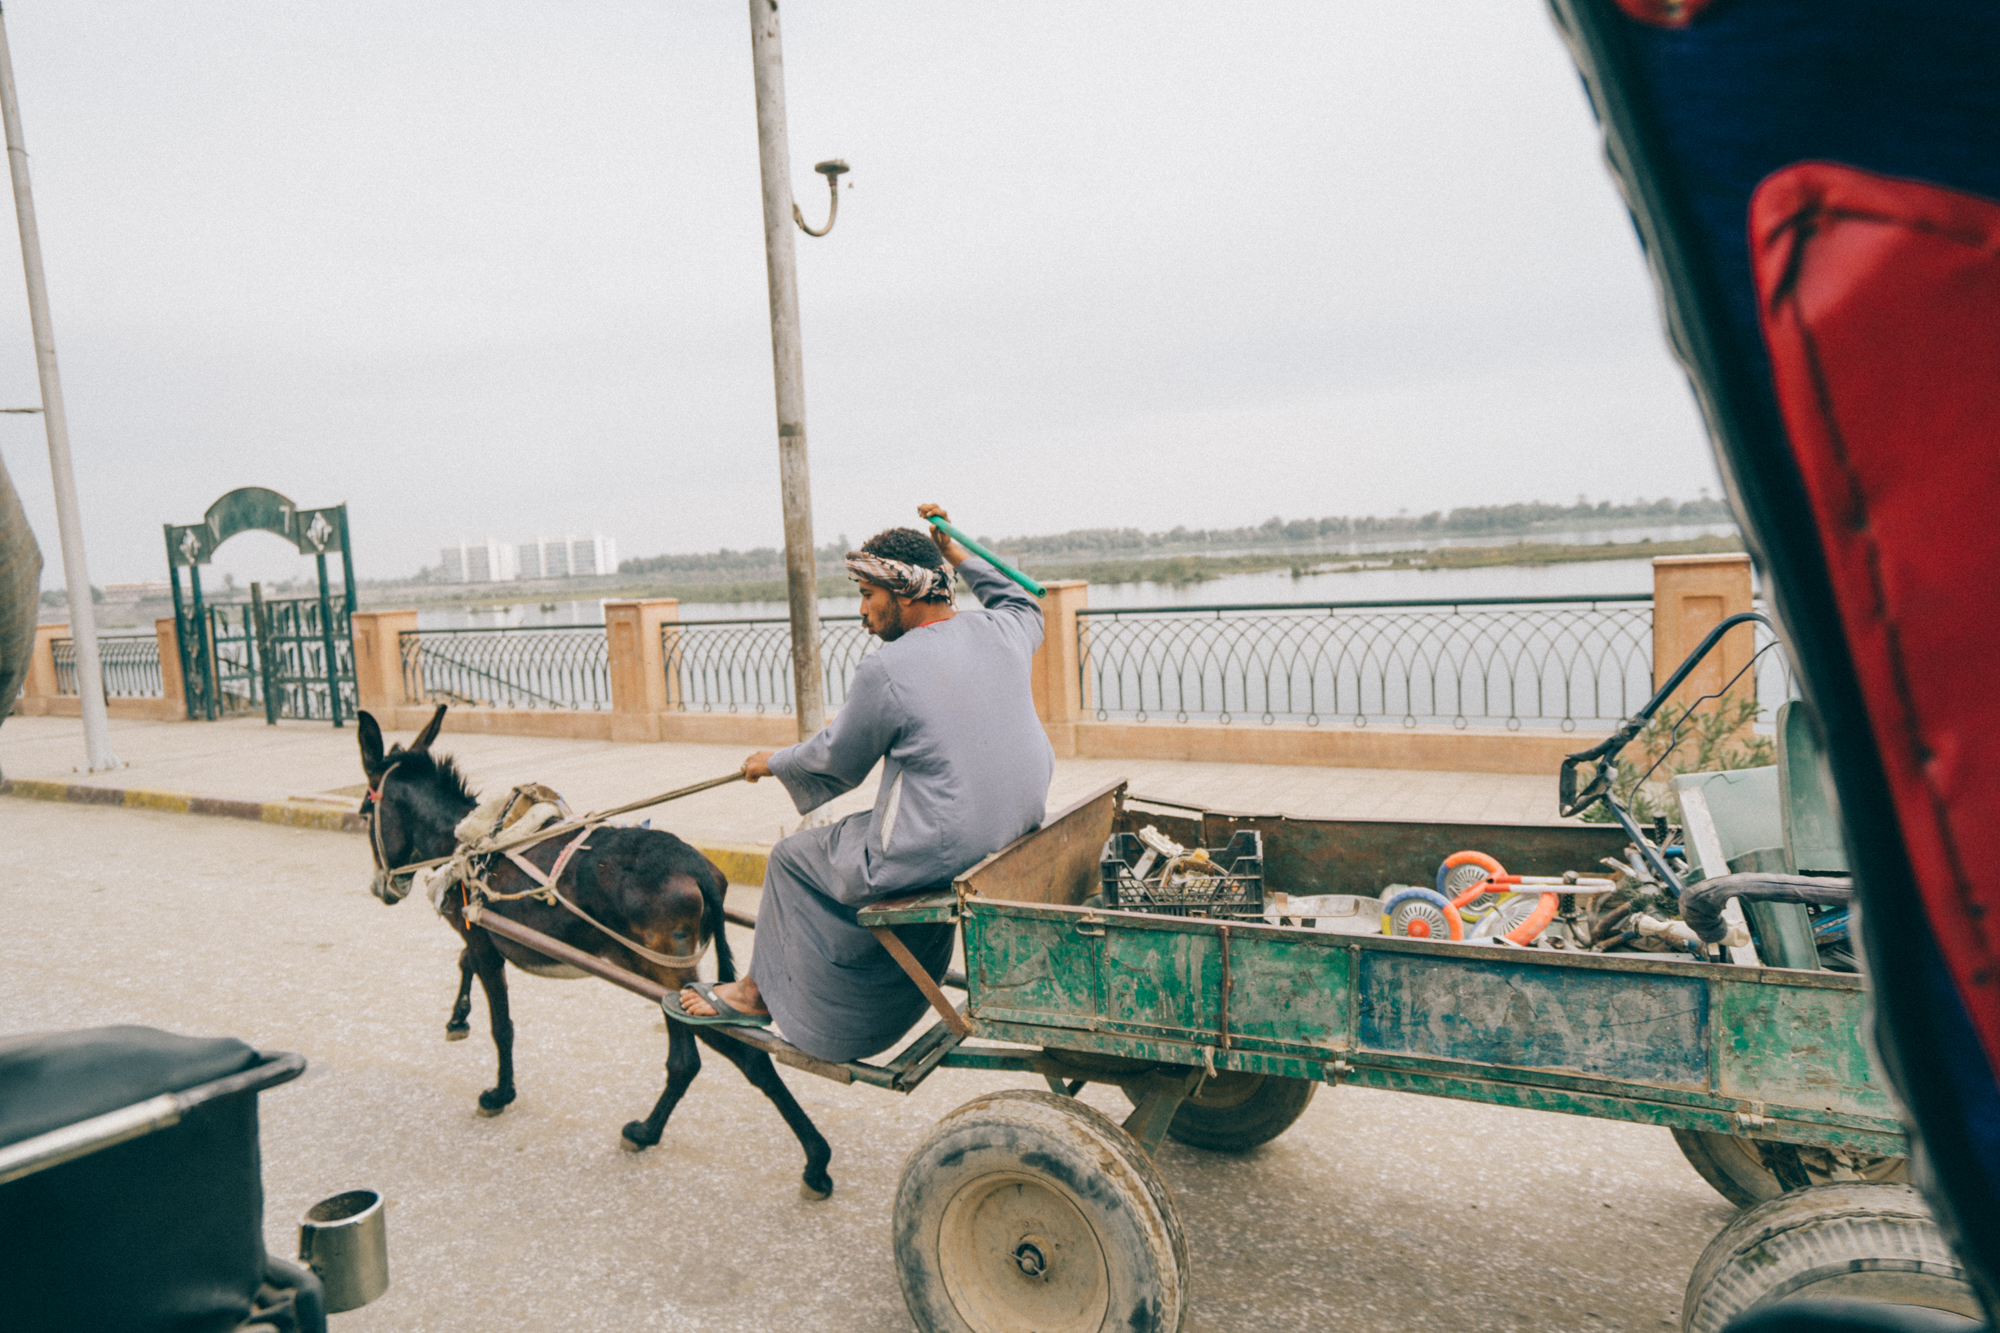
233	660
272	657
292	657
306	650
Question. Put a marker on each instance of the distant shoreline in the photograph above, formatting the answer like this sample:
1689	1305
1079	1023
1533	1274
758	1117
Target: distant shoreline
1180	570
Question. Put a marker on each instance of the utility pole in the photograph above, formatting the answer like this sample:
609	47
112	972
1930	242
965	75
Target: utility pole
788	368
69	526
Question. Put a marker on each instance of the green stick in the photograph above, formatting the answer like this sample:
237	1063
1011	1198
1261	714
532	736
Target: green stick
949	530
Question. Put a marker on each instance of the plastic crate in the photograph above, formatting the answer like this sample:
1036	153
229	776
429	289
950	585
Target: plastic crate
1238	892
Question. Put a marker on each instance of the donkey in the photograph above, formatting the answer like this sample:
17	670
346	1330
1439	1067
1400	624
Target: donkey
645	885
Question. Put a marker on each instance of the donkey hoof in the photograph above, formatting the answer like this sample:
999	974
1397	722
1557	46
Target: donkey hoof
459	1033
633	1138
494	1102
812	1194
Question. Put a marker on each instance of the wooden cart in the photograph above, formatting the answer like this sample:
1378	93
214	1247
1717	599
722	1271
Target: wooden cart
1029	1210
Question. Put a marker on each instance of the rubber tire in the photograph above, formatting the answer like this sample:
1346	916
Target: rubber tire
1235	1112
1740	1174
1084	1191
1853	1240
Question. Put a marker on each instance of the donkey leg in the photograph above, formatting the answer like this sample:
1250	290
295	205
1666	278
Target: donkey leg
683	1063
456	1028
816	1184
493	980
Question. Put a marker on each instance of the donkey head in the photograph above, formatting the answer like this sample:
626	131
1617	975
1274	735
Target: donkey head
413	801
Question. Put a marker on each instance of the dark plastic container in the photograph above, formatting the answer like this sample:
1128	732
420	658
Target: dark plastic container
1239	893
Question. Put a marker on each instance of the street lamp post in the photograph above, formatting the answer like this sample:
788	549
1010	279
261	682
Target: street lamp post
69	526
788	367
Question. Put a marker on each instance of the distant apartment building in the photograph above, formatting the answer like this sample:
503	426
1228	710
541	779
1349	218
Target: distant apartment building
488	561
493	561
567	557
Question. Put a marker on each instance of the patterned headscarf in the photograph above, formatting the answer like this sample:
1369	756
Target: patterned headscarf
904	580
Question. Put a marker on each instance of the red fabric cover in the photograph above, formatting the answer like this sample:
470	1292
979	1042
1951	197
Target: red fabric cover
1880	302
1663	13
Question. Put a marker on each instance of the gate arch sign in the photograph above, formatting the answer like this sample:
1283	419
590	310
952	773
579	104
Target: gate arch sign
315	532
255	509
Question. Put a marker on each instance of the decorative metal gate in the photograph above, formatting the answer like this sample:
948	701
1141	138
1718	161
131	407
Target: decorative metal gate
307	659
234	661
292	657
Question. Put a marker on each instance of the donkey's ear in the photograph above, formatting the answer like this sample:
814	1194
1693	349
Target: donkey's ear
371	746
430	731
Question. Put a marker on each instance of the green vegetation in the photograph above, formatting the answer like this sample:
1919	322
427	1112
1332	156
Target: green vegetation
1181	570
1474	521
1712	740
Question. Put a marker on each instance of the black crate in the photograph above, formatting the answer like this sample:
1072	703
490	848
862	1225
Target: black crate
1239	892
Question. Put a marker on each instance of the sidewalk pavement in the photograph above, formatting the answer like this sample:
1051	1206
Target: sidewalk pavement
310	772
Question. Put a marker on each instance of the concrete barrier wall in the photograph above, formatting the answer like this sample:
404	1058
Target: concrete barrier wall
1691	594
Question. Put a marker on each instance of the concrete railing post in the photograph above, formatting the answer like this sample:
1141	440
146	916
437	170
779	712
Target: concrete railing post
378	663
1692	594
41	681
1056	674
172	689
638	665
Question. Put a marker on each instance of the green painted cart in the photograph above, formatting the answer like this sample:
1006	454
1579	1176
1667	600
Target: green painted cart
1029	1210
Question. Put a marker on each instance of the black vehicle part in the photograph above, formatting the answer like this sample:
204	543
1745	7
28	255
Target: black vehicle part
102	1237
1702	902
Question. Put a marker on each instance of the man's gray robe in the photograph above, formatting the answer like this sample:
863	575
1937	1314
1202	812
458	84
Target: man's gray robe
966	768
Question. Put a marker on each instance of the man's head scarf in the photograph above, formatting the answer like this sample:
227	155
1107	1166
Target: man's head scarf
915	582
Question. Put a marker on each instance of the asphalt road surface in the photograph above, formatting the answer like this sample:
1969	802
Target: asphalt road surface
1377	1211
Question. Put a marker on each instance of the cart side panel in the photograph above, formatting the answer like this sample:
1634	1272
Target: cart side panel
1364	856
1642	1029
1297	991
1165	981
1028	961
1797	1045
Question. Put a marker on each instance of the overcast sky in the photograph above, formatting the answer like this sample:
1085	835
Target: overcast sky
497	268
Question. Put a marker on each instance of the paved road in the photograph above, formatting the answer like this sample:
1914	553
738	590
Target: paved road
1377	1211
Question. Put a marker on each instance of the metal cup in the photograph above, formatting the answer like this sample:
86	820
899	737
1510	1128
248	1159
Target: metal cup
345	1240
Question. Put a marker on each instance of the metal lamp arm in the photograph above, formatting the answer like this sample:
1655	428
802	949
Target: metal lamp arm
833	170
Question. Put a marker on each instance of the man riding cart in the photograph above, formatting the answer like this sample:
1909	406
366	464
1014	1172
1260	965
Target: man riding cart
945	707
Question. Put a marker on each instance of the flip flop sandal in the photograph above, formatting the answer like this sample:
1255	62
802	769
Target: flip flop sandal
724	1016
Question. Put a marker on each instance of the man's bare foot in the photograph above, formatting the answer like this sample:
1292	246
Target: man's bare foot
741	996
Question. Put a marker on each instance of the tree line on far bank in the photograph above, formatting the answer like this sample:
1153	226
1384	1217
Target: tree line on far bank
768	562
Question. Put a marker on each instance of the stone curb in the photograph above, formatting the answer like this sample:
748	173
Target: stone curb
296	814
742	863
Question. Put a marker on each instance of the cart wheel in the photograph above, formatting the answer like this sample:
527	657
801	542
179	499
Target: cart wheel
1235	1112
1849	1241
1025	1212
1748	1173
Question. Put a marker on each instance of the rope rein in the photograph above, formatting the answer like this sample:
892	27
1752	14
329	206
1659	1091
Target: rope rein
469	863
